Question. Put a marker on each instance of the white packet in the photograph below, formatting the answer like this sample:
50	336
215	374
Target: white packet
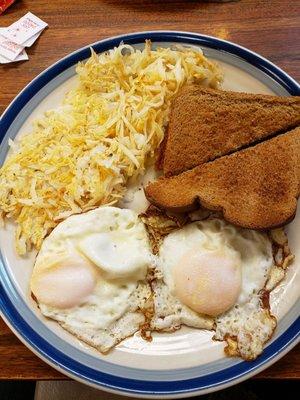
21	57
9	49
30	41
23	29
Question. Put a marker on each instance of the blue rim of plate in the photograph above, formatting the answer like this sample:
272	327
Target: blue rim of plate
57	359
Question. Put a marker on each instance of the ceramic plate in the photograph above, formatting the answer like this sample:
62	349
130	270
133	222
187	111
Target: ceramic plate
181	364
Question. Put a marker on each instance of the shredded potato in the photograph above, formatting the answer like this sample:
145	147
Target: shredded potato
81	154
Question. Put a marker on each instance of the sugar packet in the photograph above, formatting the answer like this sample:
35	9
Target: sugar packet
9	49
24	29
21	57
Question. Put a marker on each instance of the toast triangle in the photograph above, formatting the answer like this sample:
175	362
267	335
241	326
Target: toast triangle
207	123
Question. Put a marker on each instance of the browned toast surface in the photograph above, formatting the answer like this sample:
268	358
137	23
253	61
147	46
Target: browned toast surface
255	188
207	123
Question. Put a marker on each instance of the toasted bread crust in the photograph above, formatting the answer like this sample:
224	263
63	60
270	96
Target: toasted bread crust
207	123
159	163
255	188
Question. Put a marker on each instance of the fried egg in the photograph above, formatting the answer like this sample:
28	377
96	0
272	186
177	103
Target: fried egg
215	271
90	275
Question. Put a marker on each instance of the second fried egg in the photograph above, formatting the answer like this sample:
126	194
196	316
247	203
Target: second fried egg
211	265
211	275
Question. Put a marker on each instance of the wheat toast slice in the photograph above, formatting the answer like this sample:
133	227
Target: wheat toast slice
255	188
208	123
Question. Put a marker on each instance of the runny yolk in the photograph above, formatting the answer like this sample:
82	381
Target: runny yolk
66	284
209	283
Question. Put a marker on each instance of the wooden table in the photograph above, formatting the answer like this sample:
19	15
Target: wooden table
269	27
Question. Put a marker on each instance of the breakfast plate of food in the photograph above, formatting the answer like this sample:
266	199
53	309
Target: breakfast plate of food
148	198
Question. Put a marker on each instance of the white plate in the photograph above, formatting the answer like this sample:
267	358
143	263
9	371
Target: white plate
183	363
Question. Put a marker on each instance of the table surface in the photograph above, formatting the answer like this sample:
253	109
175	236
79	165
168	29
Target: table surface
268	27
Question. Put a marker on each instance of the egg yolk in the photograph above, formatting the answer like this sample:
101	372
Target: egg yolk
209	283
64	284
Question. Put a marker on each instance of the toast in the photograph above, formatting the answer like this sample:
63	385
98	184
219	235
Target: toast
207	123
255	188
